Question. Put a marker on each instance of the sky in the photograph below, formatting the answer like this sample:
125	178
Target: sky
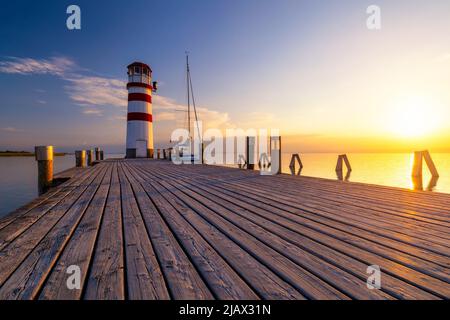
309	68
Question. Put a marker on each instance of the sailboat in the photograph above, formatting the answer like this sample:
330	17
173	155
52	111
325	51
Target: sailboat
187	151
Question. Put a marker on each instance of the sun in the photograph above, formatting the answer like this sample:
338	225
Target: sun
413	117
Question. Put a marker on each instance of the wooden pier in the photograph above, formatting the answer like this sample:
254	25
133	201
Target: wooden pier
149	229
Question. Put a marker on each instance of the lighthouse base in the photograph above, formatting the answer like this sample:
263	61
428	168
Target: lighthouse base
132	154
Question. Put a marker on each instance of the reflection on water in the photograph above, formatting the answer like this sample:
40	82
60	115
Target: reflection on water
19	179
392	169
294	173
417	183
340	175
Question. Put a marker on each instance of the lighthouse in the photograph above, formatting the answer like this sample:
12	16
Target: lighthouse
139	117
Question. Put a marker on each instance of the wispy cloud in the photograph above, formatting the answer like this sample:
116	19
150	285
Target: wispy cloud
41	101
10	129
91	111
166	109
119	118
257	120
54	66
89	91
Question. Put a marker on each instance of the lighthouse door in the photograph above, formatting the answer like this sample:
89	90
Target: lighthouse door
141	148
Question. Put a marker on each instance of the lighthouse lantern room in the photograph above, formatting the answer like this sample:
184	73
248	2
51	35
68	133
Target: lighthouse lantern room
139	117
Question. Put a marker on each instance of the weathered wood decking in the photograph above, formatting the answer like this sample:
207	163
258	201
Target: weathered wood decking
147	229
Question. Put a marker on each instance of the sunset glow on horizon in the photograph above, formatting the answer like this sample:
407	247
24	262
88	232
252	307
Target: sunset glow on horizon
315	72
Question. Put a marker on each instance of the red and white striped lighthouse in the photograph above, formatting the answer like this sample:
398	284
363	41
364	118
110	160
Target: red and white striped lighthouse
139	118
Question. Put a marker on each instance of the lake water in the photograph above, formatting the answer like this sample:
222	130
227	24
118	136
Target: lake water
392	169
19	179
19	175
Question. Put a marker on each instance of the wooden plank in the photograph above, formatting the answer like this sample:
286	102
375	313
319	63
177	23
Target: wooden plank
297	276
223	281
152	230
437	285
420	248
41	200
433	203
359	214
283	227
423	230
144	279
260	278
385	202
78	250
22	223
15	252
347	283
416	201
290	203
106	278
27	279
380	192
183	280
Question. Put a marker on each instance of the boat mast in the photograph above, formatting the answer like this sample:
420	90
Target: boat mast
188	94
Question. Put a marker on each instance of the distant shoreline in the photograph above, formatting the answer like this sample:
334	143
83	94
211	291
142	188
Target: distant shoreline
26	154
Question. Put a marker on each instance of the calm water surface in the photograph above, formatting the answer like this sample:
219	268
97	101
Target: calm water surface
19	175
19	179
393	169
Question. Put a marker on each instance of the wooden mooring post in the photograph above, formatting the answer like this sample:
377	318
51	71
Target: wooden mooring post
341	160
203	153
97	154
90	157
296	159
250	153
417	164
44	158
275	154
80	158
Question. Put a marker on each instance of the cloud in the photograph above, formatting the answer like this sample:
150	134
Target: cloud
119	118
257	120
95	112
41	101
89	91
167	109
10	129
54	66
